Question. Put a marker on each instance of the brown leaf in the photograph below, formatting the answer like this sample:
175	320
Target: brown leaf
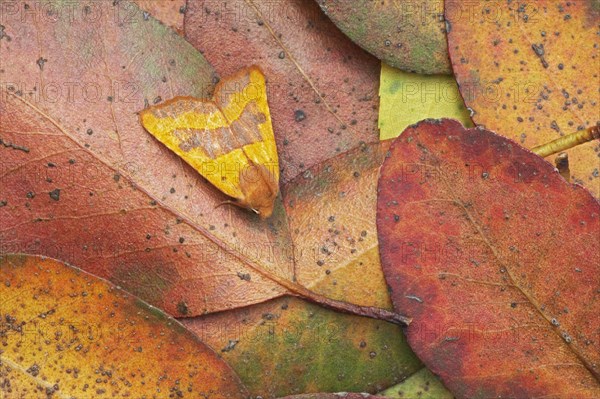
406	35
322	89
497	258
529	71
66	334
201	259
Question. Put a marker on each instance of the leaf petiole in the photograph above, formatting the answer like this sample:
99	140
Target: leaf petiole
568	141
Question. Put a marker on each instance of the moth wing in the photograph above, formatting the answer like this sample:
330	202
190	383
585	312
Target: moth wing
243	100
199	133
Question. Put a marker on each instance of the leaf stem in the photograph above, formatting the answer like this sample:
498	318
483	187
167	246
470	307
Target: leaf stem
307	294
568	141
356	310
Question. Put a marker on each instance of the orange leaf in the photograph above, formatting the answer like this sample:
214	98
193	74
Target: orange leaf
529	71
66	334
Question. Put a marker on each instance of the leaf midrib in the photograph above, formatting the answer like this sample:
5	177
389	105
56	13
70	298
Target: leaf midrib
525	293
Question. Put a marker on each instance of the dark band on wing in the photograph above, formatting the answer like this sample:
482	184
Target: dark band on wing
220	141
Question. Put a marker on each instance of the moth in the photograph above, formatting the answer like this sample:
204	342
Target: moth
228	139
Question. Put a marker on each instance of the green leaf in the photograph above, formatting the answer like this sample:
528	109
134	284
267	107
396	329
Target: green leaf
423	385
406	98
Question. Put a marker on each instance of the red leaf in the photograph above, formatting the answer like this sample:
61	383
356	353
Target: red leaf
496	258
322	88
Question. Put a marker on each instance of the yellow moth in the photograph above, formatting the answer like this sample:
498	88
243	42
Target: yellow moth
228	139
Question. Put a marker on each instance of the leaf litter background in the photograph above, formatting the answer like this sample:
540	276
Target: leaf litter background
86	181
174	209
66	333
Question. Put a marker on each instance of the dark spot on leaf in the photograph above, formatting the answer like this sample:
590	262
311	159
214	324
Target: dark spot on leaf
299	115
230	345
41	61
244	276
182	308
55	194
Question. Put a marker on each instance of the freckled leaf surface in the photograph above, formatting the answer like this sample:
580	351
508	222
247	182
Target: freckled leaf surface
496	258
83	182
407	35
529	70
331	214
338	395
68	334
127	209
322	88
422	385
169	12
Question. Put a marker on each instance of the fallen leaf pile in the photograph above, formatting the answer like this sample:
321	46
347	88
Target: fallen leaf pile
479	245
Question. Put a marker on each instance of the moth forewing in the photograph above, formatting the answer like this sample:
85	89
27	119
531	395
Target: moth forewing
228	139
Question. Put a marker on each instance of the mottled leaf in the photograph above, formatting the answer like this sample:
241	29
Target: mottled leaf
407	35
67	334
338	395
422	385
407	98
169	12
322	88
497	259
83	182
529	71
331	214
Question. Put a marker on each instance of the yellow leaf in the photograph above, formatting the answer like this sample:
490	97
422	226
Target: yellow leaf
228	139
407	98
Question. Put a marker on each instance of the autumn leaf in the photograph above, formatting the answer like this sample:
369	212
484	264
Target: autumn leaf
529	71
331	216
83	182
339	395
423	385
66	334
410	36
407	98
169	12
497	258
322	88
